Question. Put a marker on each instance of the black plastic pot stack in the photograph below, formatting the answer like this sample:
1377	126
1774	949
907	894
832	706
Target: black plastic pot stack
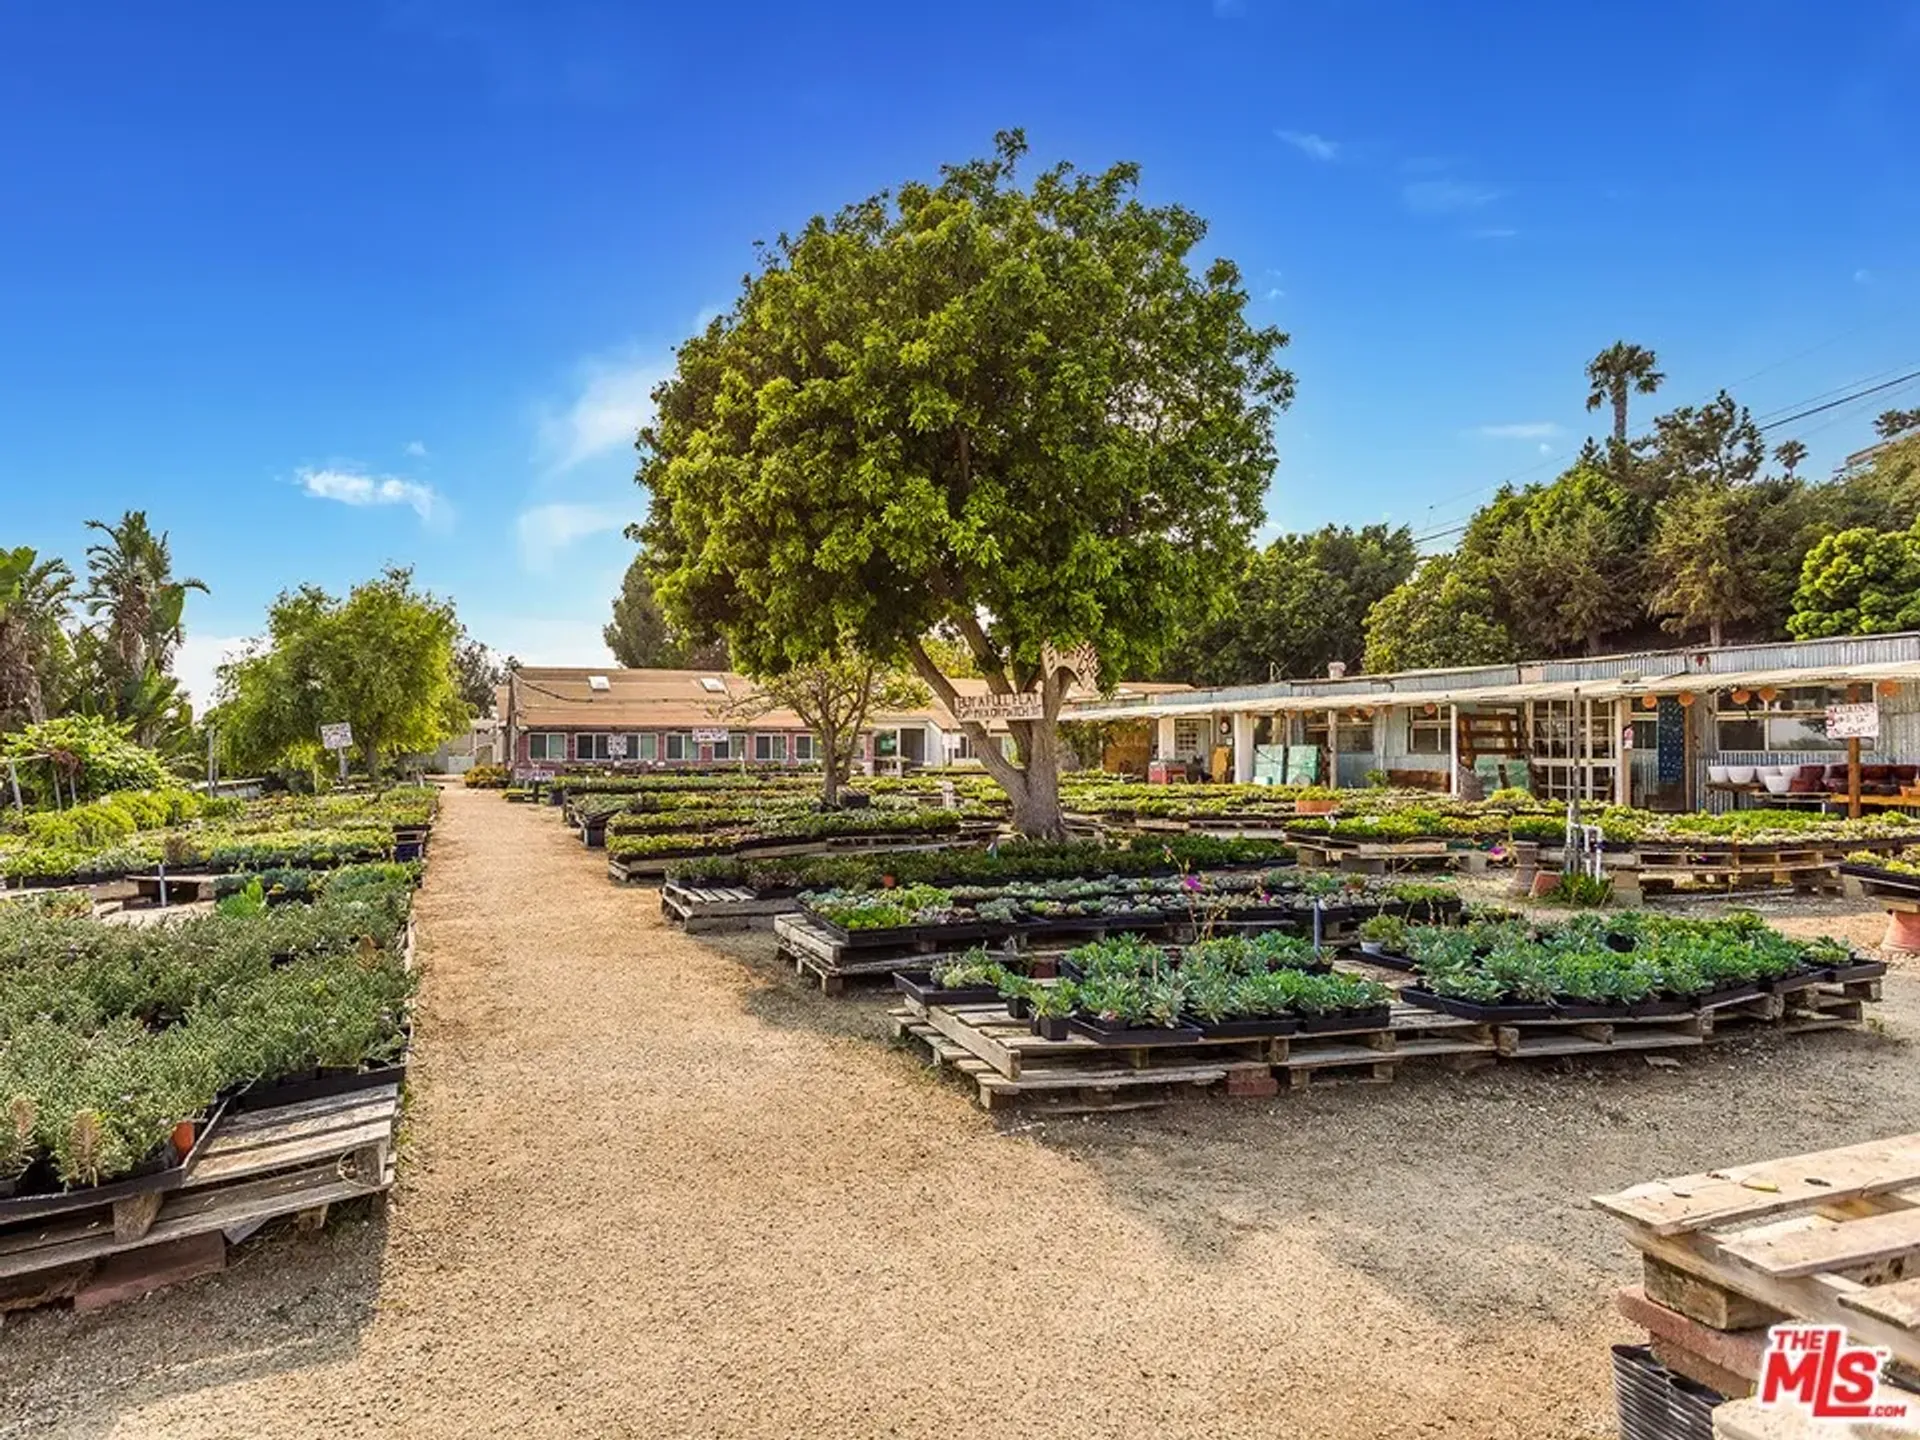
1655	1403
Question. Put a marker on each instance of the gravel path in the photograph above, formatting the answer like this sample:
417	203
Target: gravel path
652	1188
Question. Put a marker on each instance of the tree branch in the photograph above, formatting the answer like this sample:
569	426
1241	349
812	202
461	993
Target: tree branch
996	764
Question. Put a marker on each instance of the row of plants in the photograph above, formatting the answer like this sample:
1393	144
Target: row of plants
1902	862
696	834
115	1040
1125	991
1615	964
1006	860
307	830
876	916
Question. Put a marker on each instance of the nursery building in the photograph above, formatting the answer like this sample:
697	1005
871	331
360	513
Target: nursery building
1665	730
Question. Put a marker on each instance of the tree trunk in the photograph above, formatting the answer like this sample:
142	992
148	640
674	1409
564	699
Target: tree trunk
1595	639
1036	803
830	781
1716	632
1620	415
370	756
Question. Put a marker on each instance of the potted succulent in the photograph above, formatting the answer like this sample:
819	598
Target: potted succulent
1051	1005
974	978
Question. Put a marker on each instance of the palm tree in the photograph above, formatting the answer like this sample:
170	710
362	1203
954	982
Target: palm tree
34	595
1790	453
1615	372
131	581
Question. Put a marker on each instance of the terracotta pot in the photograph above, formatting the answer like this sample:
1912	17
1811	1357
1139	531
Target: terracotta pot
183	1136
1315	807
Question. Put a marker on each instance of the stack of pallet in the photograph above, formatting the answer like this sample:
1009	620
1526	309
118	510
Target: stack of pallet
255	1166
1827	1238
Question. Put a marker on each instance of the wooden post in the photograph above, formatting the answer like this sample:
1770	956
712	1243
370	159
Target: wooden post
1853	763
1333	749
1453	748
1622	756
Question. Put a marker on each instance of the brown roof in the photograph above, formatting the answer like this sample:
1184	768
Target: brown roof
562	697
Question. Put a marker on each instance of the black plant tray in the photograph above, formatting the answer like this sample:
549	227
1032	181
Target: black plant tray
1048	924
1386	959
1798	980
1468	1010
1343	1021
920	986
157	1172
1122	1034
1052	1027
321	1084
1858	970
1659	1009
1259	1027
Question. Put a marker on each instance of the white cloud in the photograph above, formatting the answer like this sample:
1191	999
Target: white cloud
545	530
1441	197
545	640
1545	449
1523	430
614	399
417	449
1314	147
351	487
197	662
1276	293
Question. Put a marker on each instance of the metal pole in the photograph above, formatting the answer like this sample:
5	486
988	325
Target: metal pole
13	776
213	766
1853	763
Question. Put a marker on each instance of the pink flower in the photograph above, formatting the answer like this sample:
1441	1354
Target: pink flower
1192	882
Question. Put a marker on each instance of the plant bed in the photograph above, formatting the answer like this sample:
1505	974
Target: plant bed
1468	1010
1339	1022
321	1083
1858	970
1123	1033
38	1191
919	986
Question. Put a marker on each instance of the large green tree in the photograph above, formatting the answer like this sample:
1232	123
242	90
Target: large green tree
382	660
1296	605
1022	412
641	638
1563	561
1441	615
1859	582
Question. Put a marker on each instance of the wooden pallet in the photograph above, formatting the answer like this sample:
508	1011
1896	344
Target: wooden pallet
1812	867
1367	857
1830	1238
258	1166
699	909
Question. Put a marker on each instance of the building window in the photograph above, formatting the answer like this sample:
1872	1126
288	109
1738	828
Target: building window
679	746
545	747
646	747
803	747
1187	739
602	747
1792	720
769	747
886	743
1356	736
723	748
1427	734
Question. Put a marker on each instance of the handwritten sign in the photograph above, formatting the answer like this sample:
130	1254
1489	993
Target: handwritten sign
1853	722
336	737
710	737
616	747
1025	705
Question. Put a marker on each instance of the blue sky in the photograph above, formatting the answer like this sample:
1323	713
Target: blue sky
328	286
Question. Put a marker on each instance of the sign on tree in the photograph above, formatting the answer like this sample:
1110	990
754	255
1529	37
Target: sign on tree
336	737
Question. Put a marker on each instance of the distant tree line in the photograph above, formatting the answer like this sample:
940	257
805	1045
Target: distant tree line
1693	530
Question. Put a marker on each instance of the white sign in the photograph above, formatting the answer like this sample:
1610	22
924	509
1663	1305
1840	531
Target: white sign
1853	722
531	772
1083	661
710	737
616	747
1024	705
336	737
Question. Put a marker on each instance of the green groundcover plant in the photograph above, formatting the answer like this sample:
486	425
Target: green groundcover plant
111	1034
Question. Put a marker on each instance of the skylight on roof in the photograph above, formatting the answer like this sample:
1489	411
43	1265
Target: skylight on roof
713	685
598	682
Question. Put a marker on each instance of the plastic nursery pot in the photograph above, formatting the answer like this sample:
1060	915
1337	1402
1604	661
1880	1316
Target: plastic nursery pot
1257	1027
1119	1032
1467	1010
1340	1021
1051	1027
1019	1007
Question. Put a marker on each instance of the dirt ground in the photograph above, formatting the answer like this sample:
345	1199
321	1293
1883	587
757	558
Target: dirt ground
652	1187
